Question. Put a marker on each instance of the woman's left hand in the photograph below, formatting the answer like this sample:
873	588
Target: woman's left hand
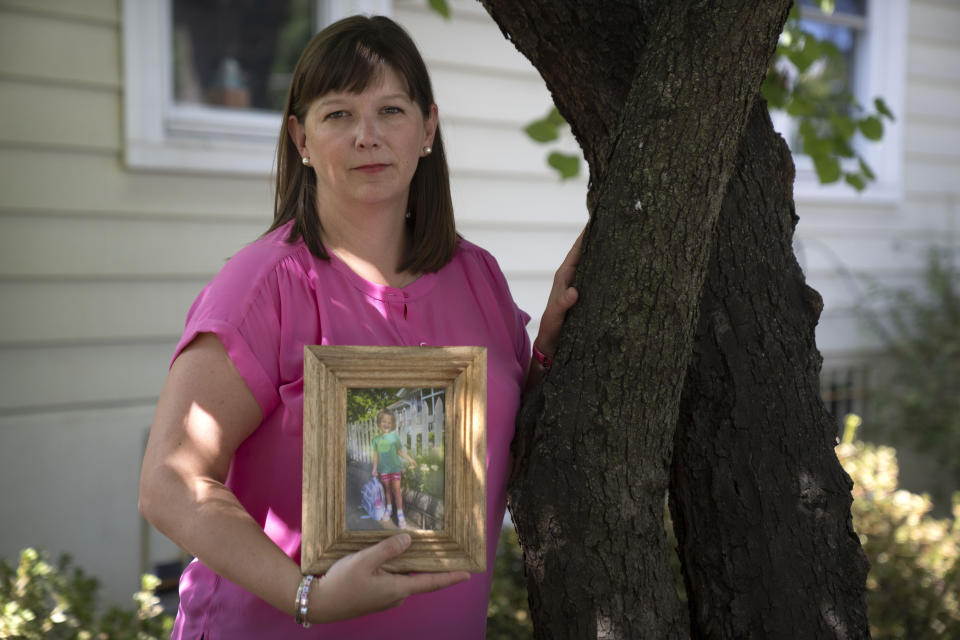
562	297
357	584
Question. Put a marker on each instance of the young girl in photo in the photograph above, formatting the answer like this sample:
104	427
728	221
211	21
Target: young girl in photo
387	453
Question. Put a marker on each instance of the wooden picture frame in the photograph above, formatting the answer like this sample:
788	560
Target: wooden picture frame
330	373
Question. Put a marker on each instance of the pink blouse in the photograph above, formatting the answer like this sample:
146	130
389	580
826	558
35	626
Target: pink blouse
270	300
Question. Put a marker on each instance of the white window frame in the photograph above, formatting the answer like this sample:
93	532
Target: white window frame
162	135
881	72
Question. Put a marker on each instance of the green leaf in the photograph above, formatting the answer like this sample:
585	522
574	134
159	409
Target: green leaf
872	128
843	125
801	106
812	144
440	6
866	170
546	129
882	108
794	14
568	166
774	90
855	180
555	118
842	148
828	168
807	128
542	131
804	55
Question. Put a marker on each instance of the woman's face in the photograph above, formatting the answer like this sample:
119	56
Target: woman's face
364	147
386	423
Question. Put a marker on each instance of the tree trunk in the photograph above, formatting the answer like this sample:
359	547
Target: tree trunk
595	439
760	504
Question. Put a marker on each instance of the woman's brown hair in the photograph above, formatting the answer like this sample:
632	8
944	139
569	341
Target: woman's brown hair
349	55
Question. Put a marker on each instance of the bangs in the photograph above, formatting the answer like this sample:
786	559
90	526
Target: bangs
350	67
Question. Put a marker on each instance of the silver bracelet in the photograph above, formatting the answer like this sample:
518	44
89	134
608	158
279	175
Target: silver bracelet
302	601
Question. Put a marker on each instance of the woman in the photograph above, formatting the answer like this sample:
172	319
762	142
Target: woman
362	250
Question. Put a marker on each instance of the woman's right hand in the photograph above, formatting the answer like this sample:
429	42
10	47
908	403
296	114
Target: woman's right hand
562	297
357	584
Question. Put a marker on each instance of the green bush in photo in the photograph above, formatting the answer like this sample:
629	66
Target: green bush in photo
427	475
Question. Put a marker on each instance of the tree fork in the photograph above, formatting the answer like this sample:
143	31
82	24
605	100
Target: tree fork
760	504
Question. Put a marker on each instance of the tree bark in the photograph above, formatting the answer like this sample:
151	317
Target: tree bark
760	504
595	439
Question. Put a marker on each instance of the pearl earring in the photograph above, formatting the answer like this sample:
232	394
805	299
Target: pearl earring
305	160
427	151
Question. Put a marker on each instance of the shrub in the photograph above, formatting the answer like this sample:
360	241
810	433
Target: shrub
920	330
46	601
913	588
508	615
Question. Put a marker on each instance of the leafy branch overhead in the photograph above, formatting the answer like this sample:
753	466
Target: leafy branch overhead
548	129
807	80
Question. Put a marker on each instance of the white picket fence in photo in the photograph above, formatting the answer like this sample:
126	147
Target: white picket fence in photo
415	425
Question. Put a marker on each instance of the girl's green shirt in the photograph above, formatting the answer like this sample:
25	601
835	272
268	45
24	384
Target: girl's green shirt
388	446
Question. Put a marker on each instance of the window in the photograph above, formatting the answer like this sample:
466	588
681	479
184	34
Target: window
204	80
830	77
871	36
237	54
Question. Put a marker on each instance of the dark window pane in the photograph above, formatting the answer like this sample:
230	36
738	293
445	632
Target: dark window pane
238	53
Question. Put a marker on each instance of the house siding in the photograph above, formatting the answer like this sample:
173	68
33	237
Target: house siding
75	393
99	263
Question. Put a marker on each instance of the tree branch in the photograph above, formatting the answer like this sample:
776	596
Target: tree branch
593	75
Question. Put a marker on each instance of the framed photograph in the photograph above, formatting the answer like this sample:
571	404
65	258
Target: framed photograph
394	439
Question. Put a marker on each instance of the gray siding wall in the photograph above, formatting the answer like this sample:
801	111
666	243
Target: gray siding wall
99	263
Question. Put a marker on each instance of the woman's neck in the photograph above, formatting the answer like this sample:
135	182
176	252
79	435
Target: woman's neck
372	241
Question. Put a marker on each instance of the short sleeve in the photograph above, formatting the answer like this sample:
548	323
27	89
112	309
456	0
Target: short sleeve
244	315
517	318
521	340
